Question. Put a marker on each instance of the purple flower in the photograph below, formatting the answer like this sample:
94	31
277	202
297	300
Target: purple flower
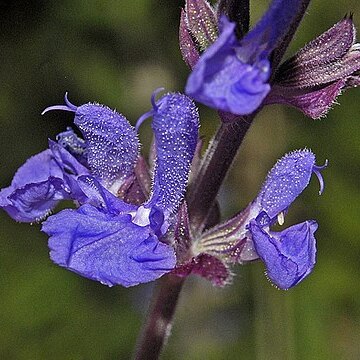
232	75
289	255
41	183
105	238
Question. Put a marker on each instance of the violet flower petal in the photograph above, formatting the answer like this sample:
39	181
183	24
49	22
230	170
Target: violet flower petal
112	143
36	169
221	80
35	189
289	255
175	125
232	75
34	201
285	182
105	248
272	27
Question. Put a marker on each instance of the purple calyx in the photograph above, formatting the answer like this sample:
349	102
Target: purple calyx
68	107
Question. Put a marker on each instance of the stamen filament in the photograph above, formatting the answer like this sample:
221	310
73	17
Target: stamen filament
317	172
280	218
68	107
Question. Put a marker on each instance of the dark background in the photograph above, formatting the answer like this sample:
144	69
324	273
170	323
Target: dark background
117	53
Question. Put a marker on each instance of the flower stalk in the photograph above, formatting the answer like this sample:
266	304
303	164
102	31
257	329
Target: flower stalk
157	327
213	169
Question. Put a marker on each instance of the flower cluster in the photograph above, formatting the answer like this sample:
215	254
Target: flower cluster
130	223
233	75
289	255
106	238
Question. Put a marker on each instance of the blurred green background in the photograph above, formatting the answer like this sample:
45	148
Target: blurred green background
117	53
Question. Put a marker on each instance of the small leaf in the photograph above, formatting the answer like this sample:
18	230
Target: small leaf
201	22
188	47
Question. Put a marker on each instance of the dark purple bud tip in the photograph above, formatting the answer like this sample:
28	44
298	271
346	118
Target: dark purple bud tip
68	107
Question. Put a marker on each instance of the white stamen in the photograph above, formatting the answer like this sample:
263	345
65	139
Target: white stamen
141	217
280	218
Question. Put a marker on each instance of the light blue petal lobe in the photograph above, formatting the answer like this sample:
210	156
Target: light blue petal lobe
112	143
33	202
105	248
175	125
35	189
36	169
289	255
286	181
226	78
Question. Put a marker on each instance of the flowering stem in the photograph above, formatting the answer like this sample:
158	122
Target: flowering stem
159	320
201	199
215	164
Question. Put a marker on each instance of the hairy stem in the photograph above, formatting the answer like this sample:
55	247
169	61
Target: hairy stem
213	169
158	324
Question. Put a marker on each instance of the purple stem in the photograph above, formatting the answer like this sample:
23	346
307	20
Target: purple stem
213	169
157	328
